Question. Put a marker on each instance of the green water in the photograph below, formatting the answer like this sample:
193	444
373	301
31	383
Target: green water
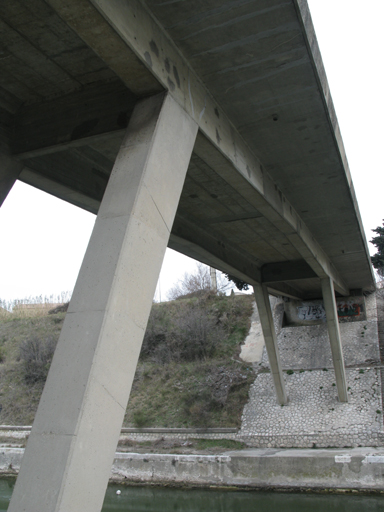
146	499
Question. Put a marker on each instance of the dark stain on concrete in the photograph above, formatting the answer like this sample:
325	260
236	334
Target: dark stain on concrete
217	112
171	85
214	196
154	48
176	75
148	58
193	196
355	465
301	128
218	138
83	129
167	65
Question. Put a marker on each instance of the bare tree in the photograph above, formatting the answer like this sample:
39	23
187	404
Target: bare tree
198	281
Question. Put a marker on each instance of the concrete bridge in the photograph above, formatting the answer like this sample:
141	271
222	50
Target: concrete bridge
205	126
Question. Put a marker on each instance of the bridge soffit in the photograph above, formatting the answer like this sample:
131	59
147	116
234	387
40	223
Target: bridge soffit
151	50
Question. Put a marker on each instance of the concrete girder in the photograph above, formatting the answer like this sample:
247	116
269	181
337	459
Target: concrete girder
272	204
334	337
286	271
96	112
269	333
132	23
70	451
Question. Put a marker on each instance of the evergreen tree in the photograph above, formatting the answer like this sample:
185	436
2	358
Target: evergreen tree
240	285
378	258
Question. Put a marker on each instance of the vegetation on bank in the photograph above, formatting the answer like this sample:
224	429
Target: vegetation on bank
189	373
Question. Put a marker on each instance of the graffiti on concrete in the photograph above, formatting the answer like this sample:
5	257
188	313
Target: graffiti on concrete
345	308
314	312
348	308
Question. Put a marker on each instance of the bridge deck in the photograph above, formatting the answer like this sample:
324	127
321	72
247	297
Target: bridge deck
268	194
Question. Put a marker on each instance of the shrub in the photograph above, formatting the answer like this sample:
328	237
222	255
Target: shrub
196	335
190	332
36	355
140	419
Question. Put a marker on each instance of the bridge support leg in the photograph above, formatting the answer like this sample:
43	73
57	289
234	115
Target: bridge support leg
267	325
334	337
9	172
69	454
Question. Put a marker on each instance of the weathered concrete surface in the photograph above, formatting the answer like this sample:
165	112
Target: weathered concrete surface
358	468
74	436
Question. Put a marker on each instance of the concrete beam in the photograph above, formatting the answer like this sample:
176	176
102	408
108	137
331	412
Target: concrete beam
74	436
267	325
72	194
334	337
9	172
95	112
305	19
196	242
285	290
275	207
286	271
156	51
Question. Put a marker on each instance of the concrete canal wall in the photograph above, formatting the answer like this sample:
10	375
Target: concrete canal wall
359	469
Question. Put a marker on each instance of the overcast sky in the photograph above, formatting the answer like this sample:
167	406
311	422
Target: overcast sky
44	239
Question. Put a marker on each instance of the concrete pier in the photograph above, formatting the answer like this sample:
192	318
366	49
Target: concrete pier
73	440
334	337
266	320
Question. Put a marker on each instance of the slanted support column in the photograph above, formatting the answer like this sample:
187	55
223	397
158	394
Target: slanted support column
70	452
334	337
268	327
9	172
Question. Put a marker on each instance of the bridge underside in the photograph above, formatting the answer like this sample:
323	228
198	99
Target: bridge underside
211	126
268	195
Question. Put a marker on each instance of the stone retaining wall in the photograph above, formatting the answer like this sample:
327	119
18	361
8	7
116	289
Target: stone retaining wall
313	415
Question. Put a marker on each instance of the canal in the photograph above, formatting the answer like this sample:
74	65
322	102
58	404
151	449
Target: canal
150	499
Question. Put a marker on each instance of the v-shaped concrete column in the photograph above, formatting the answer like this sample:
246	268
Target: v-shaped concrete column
269	333
334	337
70	452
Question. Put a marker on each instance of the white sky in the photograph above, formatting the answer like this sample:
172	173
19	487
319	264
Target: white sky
44	239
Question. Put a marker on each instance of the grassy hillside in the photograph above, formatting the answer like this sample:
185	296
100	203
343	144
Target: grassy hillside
188	375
